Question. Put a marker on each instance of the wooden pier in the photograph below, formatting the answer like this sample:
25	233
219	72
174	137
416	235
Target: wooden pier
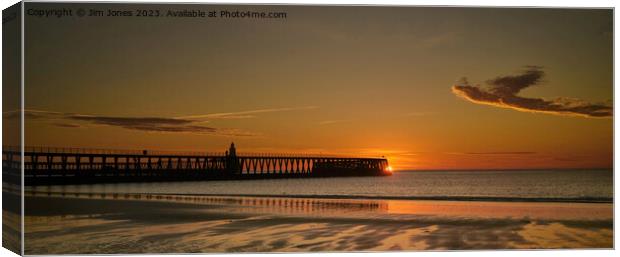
46	166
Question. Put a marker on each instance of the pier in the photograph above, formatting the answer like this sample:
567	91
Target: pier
49	166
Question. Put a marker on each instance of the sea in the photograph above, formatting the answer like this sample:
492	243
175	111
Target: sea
587	185
410	210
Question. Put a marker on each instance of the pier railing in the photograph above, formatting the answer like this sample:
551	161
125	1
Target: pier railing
77	150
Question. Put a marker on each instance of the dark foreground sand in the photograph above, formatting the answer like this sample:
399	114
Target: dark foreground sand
113	223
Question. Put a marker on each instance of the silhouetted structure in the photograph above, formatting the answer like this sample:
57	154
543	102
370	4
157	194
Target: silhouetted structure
79	166
232	162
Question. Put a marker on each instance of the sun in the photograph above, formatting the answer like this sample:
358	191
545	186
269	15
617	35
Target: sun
388	169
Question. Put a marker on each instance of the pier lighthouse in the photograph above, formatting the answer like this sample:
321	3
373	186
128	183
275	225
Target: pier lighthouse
232	151
232	161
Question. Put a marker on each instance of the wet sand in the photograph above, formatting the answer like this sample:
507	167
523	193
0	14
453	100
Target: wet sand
138	223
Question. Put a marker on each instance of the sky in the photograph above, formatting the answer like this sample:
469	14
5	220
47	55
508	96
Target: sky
428	88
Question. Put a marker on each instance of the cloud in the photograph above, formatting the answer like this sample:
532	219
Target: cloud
146	124
245	114
68	125
30	114
503	92
154	124
184	124
492	153
498	153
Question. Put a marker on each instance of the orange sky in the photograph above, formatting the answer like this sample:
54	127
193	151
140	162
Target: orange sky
370	81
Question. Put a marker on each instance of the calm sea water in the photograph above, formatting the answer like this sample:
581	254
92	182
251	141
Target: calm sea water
560	184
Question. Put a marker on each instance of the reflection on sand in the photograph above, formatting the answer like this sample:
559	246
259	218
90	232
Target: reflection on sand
517	210
141	223
243	204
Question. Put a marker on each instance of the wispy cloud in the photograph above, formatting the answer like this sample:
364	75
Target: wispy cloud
496	153
68	125
152	124
244	114
183	124
502	92
493	153
328	122
186	124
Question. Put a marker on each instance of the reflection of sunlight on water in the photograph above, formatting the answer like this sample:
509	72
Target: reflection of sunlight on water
258	204
502	209
316	206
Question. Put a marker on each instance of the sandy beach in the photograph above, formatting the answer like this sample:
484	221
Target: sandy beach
144	223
